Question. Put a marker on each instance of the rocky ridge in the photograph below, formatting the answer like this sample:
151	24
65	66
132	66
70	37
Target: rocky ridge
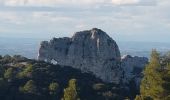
95	52
91	51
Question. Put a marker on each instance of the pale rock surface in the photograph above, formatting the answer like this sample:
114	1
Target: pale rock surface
133	68
91	51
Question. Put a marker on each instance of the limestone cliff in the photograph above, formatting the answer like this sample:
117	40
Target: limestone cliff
91	51
133	67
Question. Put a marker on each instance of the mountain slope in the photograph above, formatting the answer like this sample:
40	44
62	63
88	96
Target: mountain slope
25	79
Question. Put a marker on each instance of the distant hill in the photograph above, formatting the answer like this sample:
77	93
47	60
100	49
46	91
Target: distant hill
135	48
21	46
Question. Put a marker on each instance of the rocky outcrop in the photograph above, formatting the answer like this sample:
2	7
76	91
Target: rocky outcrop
91	51
95	52
133	67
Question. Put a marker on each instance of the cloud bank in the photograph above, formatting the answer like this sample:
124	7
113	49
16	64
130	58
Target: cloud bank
52	3
123	19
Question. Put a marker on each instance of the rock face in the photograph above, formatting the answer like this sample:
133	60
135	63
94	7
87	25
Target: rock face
91	51
133	67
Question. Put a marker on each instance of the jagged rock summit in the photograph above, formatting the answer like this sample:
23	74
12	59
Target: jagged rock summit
91	51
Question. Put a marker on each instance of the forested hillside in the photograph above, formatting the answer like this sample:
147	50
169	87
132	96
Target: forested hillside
25	79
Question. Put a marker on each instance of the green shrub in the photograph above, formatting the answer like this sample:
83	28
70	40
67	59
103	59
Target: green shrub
9	74
70	93
53	87
29	87
26	72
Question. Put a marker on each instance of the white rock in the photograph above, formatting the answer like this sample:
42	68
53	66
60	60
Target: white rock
54	62
91	51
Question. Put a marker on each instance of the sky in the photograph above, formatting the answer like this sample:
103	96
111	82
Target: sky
123	20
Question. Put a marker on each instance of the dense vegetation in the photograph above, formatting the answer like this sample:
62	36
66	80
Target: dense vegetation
25	79
156	82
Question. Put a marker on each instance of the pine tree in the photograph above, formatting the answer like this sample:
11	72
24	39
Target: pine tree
70	93
9	74
53	87
166	83
151	85
29	87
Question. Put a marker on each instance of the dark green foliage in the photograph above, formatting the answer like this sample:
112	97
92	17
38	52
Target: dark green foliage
2	71
53	88
9	74
26	72
25	79
29	87
0	57
3	87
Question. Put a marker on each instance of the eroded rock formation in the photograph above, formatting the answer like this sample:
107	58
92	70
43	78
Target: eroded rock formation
91	51
133	67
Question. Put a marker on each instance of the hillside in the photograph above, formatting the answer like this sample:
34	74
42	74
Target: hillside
26	79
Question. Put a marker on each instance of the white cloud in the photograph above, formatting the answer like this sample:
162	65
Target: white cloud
81	25
123	20
53	3
33	18
50	2
10	17
50	17
120	2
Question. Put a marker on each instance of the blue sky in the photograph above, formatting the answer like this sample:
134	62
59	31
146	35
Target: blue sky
124	20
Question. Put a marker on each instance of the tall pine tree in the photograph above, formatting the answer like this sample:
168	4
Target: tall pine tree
151	85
